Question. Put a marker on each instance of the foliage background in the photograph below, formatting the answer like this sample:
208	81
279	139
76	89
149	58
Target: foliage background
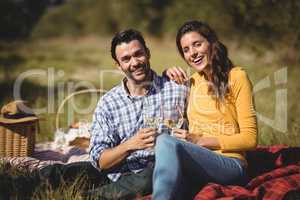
73	37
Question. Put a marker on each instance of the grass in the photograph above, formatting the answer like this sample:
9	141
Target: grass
80	60
15	183
25	189
74	60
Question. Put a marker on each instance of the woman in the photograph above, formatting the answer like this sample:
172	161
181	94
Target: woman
221	115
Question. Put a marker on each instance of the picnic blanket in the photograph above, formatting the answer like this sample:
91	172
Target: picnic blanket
269	186
66	148
274	173
45	155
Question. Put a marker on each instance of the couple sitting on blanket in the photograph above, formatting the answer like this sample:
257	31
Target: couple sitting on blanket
221	123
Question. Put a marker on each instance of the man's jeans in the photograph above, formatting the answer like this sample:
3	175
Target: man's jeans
129	186
183	168
94	184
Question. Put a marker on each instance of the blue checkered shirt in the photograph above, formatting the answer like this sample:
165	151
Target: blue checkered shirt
118	116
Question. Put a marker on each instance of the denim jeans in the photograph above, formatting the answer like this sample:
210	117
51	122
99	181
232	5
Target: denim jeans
182	169
128	186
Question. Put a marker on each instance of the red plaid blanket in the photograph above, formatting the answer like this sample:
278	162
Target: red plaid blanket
274	171
269	186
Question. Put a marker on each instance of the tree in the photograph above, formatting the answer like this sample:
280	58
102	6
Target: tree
18	17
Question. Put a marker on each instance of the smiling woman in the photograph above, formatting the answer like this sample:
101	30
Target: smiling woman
195	50
221	116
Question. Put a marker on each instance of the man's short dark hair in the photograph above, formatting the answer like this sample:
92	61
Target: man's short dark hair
126	36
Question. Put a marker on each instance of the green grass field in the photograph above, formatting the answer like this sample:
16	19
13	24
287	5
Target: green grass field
76	62
80	60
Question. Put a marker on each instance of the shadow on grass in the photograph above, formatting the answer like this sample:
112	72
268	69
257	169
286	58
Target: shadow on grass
11	60
9	63
22	184
29	91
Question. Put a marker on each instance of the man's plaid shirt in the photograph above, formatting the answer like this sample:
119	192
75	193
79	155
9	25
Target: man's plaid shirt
118	116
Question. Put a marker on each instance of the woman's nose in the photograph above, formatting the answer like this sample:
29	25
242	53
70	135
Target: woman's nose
193	52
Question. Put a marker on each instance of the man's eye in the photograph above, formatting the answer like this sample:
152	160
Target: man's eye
139	54
125	59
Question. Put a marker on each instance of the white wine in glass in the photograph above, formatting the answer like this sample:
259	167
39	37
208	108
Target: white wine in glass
173	117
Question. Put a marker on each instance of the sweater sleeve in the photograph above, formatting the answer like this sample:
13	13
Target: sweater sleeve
247	137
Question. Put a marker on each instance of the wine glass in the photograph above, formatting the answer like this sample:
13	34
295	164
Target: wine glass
172	117
150	118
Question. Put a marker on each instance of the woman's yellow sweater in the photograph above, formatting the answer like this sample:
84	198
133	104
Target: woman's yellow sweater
233	123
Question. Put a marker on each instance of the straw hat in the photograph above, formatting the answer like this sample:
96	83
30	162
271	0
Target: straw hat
16	112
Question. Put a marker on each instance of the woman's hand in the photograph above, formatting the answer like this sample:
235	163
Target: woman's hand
180	133
176	74
193	138
209	142
185	135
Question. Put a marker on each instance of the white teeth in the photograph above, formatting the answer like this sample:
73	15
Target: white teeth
197	60
139	71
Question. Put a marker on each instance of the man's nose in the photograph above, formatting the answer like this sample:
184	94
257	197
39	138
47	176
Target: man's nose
134	61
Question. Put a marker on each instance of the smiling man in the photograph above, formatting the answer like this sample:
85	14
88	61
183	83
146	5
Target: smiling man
122	161
120	143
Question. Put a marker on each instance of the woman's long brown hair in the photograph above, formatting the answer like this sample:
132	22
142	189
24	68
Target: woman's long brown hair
218	57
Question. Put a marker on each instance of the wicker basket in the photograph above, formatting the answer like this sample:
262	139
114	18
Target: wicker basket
18	139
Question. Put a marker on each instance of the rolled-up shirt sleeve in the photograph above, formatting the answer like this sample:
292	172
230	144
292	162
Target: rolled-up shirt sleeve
102	134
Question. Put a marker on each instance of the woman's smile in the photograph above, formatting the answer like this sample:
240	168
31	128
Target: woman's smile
195	50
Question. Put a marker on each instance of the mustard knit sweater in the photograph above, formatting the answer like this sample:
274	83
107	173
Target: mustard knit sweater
233	122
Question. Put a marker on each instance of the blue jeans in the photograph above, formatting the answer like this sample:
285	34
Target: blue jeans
182	169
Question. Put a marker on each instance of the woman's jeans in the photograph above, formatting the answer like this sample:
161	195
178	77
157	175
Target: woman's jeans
183	168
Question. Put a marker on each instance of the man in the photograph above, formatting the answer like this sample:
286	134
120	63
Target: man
120	142
122	156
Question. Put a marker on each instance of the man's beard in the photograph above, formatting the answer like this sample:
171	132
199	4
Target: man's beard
147	73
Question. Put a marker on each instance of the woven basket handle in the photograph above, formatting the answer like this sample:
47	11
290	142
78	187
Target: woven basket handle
69	97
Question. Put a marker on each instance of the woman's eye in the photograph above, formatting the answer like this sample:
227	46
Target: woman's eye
198	44
185	50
